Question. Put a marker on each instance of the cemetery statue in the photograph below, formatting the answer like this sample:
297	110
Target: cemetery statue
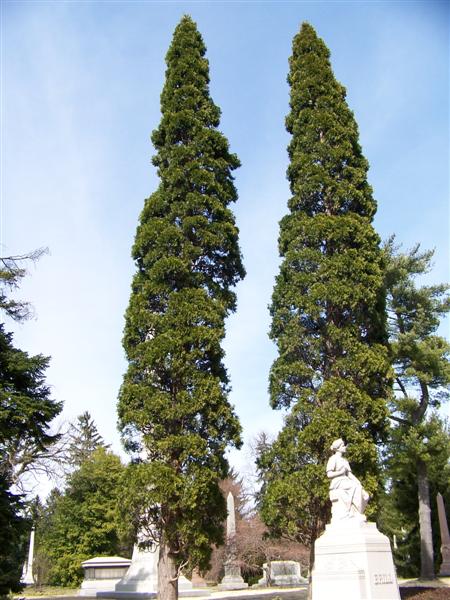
348	497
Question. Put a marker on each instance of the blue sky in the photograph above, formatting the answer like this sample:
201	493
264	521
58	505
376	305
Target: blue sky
80	86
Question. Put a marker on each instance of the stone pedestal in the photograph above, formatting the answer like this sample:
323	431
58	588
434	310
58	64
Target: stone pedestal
353	560
233	579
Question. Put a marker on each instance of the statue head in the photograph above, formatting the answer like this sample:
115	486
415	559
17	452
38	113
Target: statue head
338	445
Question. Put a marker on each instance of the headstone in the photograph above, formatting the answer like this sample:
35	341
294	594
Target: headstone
232	579
102	573
444	571
284	573
353	560
27	573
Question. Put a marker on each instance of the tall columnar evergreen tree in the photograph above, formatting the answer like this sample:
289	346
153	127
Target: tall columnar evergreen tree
328	312
173	402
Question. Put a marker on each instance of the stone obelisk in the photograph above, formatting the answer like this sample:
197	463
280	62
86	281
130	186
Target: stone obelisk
27	573
444	571
232	579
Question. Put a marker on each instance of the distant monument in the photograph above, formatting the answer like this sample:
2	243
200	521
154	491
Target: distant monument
27	572
283	573
102	573
353	560
232	579
444	571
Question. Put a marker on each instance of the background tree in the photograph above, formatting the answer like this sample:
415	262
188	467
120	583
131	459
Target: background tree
12	270
13	534
26	410
173	401
422	376
43	519
82	522
84	439
399	505
328	313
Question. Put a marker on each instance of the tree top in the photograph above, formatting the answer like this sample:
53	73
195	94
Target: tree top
185	37
307	40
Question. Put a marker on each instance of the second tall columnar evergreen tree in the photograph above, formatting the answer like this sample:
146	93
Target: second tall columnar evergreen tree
328	312
173	402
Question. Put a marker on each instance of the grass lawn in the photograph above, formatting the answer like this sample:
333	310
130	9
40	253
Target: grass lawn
45	590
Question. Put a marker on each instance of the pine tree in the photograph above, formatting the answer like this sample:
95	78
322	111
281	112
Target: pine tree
328	310
173	401
422	376
26	410
13	533
84	439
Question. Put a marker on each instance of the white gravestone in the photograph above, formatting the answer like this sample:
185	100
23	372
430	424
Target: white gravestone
282	573
353	560
444	571
27	573
232	579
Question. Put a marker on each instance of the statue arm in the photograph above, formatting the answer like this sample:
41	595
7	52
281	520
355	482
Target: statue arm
338	473
332	472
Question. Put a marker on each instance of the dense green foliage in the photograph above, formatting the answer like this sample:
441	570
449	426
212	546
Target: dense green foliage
82	522
419	449
26	408
84	439
399	506
13	530
328	312
173	401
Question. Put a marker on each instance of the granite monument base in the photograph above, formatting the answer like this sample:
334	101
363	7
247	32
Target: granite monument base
353	560
233	579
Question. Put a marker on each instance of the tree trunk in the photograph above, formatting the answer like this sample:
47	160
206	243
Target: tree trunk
167	574
426	533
